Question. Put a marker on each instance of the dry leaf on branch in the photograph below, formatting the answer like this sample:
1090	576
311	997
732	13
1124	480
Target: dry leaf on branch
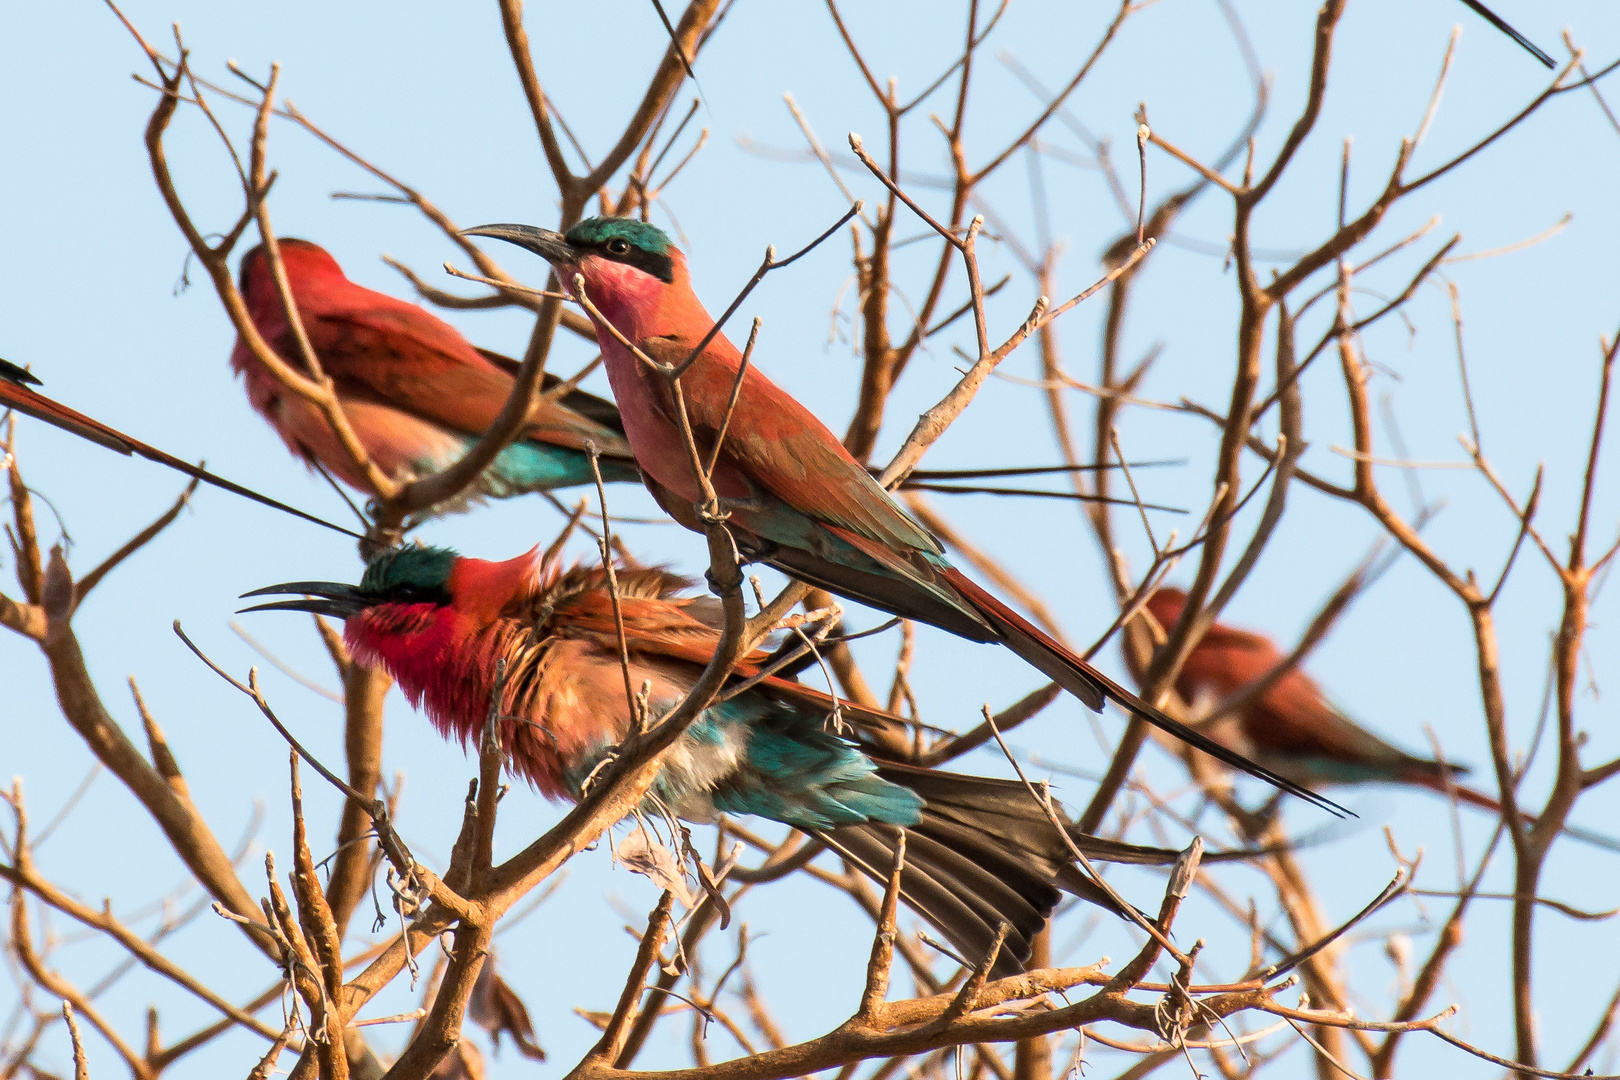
641	854
495	1007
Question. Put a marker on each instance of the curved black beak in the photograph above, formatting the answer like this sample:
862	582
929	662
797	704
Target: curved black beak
16	374
550	246
320	597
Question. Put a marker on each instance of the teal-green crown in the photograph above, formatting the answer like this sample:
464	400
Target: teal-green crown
416	568
597	231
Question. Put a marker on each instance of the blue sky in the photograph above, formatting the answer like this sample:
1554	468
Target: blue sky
88	296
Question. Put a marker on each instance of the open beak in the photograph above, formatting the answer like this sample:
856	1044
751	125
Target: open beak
550	246
319	597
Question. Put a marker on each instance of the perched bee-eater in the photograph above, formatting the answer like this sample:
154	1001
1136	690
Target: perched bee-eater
794	496
978	851
416	392
1292	728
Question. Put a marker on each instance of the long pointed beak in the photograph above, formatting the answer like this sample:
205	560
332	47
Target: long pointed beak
550	246
16	374
320	597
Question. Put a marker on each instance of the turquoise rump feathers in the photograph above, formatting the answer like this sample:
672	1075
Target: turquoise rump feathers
797	773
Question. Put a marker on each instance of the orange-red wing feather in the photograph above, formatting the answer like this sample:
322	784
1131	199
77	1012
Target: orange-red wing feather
433	373
1293	716
663	627
780	446
593	408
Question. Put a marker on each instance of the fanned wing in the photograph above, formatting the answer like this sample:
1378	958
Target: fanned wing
985	851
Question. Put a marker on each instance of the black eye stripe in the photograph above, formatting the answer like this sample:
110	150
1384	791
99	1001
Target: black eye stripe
618	249
411	593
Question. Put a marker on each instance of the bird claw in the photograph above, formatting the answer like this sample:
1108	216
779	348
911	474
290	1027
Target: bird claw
747	550
719	511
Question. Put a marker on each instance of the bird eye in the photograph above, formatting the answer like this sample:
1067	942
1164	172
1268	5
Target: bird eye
618	246
410	593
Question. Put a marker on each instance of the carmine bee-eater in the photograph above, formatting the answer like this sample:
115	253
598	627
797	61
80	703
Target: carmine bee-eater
416	392
1293	728
795	497
978	851
16	392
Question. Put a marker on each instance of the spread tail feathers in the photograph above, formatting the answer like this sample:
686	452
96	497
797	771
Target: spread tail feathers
1093	687
984	853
